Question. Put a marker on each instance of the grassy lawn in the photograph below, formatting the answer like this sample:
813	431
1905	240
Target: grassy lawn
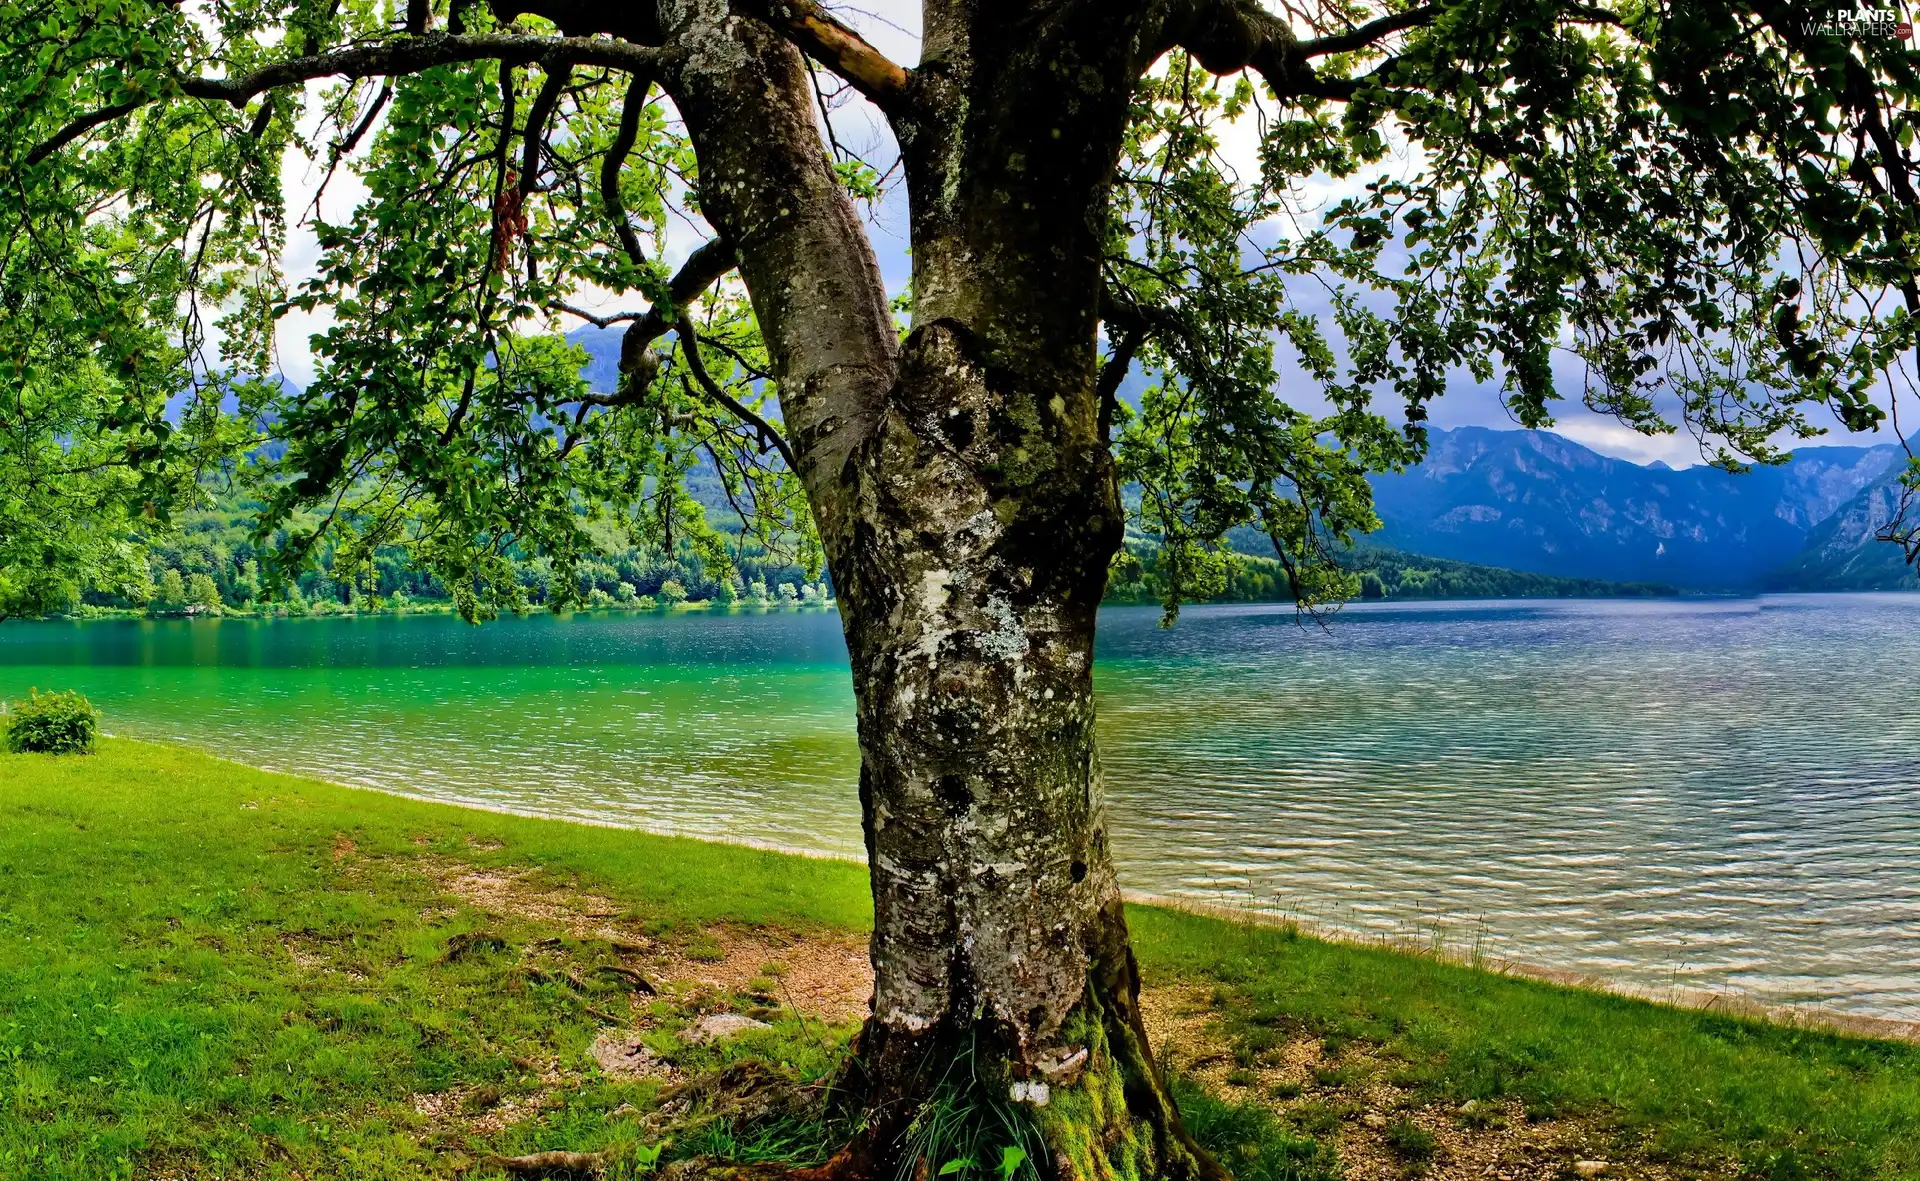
210	971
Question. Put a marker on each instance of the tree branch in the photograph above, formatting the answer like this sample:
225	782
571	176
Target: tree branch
342	147
1364	36
1107	388
535	138
598	321
702	268
1226	36
81	126
402	55
840	49
690	348
1144	320
622	146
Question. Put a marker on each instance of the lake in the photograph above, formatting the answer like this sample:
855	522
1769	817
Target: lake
1719	794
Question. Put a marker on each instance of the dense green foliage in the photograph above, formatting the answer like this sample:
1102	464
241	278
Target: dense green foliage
1139	575
1711	206
211	970
52	723
212	564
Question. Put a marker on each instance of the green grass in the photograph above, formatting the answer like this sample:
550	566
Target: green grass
192	985
1683	1085
153	903
1247	1138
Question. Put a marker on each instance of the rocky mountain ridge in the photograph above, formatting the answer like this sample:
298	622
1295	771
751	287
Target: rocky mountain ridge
1540	502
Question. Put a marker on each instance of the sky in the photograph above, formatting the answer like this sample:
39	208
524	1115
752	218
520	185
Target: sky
893	26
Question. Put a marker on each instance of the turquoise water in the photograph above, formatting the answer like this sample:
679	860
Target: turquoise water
1710	794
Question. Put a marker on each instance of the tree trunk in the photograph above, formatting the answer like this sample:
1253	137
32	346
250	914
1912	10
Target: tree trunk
1003	976
969	511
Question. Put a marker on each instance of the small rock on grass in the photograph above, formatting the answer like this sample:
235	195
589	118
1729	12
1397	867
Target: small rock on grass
622	1055
719	1027
1589	1168
1374	1119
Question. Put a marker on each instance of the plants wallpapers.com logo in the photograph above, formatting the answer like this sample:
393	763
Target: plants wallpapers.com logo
1863	24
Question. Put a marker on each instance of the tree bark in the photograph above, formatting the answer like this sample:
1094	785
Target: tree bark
999	936
969	510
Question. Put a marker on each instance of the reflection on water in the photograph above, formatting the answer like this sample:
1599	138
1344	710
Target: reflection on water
1713	794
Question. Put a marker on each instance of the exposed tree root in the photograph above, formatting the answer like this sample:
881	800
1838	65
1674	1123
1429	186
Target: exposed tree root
749	1089
846	1165
551	1164
636	981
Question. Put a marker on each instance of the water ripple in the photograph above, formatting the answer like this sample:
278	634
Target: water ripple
1717	794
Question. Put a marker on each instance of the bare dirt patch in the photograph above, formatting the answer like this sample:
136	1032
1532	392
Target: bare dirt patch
824	976
309	950
821	975
481	1111
519	893
486	1110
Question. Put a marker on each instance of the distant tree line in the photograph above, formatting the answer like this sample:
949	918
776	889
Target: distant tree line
1394	574
210	565
1137	577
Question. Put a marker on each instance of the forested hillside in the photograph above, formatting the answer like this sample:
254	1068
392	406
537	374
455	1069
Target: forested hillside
212	564
1555	518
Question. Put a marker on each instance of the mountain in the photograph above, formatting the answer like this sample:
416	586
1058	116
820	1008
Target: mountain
602	369
1539	502
1844	552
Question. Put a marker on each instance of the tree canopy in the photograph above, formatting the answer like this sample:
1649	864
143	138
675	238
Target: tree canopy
1301	226
1710	207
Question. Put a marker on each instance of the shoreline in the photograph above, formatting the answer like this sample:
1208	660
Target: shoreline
1733	1004
435	609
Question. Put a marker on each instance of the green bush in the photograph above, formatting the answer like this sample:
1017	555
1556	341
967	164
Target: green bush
53	723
